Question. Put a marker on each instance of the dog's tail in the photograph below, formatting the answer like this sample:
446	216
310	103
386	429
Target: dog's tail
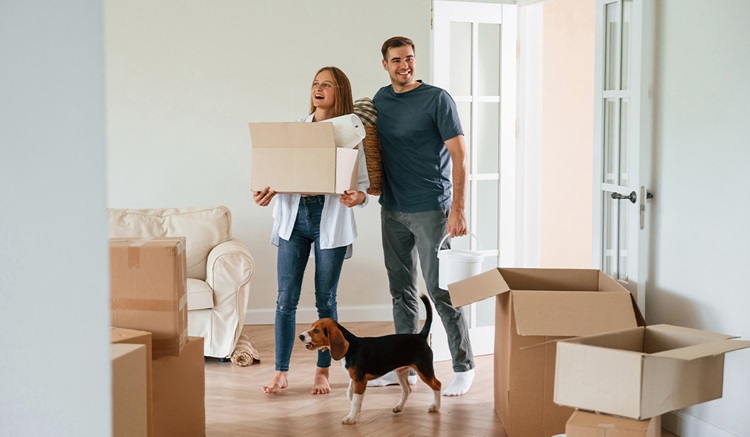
428	321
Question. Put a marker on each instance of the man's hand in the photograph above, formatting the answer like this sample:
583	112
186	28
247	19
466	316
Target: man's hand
352	198
456	226
263	198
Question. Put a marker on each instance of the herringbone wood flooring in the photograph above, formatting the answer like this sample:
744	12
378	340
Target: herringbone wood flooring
236	406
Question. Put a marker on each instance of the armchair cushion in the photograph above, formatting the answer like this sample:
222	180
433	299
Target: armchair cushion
203	229
199	295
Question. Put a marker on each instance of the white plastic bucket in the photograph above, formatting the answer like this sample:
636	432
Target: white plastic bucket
455	265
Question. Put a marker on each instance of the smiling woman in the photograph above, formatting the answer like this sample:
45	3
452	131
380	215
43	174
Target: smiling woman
318	225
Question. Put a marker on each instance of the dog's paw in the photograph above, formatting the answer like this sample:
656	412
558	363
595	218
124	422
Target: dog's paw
349	420
433	408
398	408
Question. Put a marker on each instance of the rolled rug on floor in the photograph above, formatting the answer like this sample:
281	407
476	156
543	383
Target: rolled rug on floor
245	353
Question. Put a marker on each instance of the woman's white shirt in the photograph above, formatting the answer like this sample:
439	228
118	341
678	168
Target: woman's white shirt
337	225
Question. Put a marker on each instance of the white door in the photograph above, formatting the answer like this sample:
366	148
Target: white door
622	140
474	59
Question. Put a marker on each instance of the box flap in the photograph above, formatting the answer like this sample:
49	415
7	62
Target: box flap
703	350
281	134
552	279
571	313
694	335
476	288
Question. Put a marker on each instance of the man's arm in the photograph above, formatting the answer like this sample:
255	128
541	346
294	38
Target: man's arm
457	218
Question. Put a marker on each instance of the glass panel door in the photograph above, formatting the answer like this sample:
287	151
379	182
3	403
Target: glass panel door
474	60
622	140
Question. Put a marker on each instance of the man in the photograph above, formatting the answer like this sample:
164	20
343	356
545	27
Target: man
421	139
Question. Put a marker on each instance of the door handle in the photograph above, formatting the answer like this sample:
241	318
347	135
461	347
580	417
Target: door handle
632	197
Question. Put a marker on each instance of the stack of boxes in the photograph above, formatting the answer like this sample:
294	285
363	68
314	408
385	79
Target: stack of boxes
149	314
570	339
634	376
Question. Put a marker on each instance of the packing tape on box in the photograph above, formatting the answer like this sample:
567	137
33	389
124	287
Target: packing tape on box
134	252
348	130
127	303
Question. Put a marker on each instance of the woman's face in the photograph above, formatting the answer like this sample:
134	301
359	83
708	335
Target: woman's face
323	91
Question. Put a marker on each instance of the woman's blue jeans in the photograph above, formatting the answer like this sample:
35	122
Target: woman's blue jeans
292	260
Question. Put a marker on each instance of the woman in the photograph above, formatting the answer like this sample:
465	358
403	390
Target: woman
297	230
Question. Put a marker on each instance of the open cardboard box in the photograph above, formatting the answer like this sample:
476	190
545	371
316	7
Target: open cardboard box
301	158
534	307
642	372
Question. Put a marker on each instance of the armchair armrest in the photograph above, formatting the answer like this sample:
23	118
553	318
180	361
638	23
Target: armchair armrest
228	268
228	272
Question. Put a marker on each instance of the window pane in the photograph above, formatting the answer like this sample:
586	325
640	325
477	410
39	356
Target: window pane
623	165
611	152
488	147
487	214
615	238
460	59
612	35
609	238
627	12
464	113
622	235
489	59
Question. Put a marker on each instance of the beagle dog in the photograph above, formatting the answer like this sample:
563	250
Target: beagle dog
367	358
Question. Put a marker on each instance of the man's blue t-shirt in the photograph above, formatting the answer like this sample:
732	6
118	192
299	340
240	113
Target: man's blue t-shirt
413	127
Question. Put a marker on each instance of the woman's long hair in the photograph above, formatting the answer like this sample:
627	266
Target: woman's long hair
344	103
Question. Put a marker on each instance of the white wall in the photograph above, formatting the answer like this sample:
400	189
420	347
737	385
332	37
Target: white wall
700	240
54	315
185	77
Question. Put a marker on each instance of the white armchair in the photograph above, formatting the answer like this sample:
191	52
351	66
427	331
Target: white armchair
219	268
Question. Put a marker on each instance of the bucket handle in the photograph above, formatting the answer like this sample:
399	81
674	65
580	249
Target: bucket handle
440	246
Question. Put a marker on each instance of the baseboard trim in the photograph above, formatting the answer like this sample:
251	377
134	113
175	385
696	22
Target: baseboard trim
686	425
354	313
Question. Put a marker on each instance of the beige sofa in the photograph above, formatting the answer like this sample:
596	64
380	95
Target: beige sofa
219	267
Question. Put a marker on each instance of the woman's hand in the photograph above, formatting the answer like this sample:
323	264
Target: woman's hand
263	198
352	198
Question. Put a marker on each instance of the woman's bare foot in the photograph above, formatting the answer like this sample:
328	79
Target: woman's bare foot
320	385
277	383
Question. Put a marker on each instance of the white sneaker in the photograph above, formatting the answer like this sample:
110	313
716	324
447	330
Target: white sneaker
390	378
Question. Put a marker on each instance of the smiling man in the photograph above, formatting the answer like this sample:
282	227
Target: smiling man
424	183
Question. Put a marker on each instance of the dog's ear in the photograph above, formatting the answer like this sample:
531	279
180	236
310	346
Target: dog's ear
339	345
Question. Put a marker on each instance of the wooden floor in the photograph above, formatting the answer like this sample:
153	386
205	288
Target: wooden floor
236	405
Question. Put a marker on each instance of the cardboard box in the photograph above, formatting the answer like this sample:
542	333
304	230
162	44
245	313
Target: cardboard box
585	424
533	307
642	372
129	390
179	392
134	337
148	290
301	158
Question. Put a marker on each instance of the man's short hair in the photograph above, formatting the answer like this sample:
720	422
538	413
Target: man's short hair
396	41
